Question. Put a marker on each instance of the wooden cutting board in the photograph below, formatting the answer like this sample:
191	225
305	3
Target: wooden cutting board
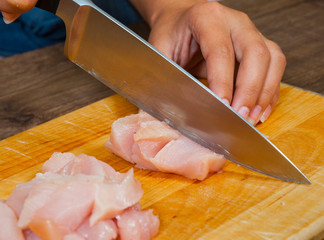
234	204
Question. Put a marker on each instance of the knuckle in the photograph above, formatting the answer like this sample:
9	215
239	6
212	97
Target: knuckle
244	18
281	58
243	15
206	7
221	87
267	94
277	53
251	93
225	90
212	8
225	51
261	50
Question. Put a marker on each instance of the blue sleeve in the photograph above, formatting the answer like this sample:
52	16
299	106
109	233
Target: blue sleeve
121	10
37	28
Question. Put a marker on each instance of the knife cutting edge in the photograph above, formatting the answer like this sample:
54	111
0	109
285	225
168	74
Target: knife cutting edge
130	66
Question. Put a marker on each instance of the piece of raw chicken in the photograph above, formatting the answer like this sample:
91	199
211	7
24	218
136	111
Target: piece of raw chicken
8	224
77	198
152	144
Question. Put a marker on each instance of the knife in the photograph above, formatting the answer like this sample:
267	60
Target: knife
130	66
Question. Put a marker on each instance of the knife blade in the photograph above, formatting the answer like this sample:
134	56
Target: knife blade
130	66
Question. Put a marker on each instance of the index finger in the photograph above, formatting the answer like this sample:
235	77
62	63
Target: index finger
254	58
217	50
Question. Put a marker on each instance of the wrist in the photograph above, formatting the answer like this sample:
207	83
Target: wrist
152	11
172	8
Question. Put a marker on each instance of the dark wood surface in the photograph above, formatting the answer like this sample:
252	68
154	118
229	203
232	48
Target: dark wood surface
38	86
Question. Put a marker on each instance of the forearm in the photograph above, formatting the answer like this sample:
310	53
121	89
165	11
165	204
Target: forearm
152	9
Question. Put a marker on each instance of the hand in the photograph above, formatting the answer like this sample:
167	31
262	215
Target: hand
207	38
12	9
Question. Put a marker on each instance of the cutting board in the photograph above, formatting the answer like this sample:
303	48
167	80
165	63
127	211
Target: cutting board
235	204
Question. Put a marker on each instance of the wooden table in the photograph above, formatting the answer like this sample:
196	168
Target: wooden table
41	85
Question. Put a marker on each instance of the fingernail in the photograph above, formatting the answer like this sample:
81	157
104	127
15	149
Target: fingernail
226	101
254	115
244	111
266	114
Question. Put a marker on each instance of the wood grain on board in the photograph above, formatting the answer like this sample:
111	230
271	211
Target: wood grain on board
234	204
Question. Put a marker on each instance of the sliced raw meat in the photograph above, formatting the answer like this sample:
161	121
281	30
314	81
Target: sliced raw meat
69	164
29	235
65	209
149	139
8	224
73	236
37	198
19	194
112	199
57	162
187	158
154	130
77	198
135	224
152	144
121	138
91	166
102	230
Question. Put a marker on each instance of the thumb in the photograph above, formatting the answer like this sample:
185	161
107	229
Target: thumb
12	9
9	17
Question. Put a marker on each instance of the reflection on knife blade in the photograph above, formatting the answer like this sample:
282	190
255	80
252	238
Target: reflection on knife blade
136	70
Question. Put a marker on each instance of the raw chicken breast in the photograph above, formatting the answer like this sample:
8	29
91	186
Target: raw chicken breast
187	158
152	144
135	224
76	198
73	236
57	162
29	235
102	230
19	194
121	138
37	198
111	199
66	207
69	164
9	229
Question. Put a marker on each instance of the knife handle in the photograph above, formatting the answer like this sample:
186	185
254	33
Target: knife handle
48	5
